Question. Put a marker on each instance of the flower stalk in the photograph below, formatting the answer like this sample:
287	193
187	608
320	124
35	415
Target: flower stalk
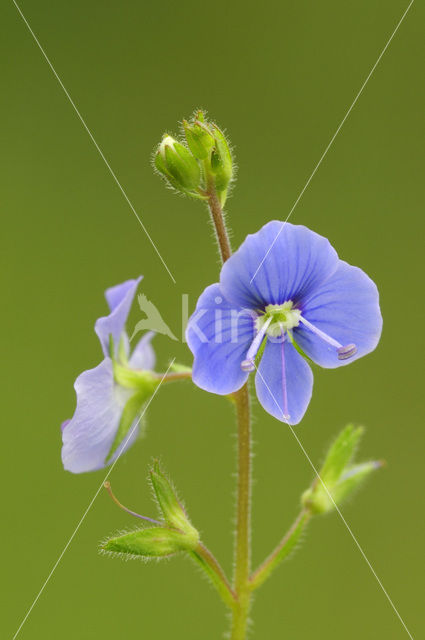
217	216
283	549
243	519
241	582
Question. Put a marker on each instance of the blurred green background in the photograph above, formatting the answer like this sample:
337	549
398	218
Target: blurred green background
279	76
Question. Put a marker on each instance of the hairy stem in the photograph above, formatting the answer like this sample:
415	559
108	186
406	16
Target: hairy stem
283	549
175	376
241	586
243	520
216	574
218	219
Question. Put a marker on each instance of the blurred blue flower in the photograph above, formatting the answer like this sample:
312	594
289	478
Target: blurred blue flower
303	301
108	409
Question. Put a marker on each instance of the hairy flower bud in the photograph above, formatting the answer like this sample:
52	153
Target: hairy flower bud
338	478
176	163
171	508
199	138
221	160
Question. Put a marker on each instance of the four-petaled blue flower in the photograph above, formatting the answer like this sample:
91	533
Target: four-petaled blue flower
110	397
304	300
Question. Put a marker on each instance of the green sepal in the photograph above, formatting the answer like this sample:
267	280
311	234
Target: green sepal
128	416
340	454
182	166
222	197
199	139
352	479
143	380
169	504
155	542
221	161
144	383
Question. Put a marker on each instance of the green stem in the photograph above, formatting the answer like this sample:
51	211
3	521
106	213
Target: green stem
241	586
243	521
217	216
174	376
283	549
210	565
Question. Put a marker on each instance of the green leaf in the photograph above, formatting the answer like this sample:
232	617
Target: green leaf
155	542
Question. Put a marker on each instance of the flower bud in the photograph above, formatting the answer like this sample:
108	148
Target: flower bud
221	160
172	510
338	478
199	138
154	542
178	165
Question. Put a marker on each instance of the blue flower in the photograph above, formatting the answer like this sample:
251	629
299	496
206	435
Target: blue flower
110	397
303	301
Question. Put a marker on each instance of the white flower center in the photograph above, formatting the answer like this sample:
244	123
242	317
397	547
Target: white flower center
279	318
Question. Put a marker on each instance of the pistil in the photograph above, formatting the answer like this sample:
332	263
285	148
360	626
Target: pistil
285	412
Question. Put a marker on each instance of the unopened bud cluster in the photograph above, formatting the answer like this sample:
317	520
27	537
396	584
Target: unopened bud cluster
200	164
339	477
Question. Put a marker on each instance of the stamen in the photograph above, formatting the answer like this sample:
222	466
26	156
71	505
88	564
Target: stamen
347	352
286	415
344	351
107	486
249	363
321	334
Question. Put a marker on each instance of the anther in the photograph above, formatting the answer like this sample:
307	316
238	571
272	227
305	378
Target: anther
347	352
248	365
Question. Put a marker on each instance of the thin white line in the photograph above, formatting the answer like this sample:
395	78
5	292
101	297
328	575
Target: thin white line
94	141
338	511
333	138
111	468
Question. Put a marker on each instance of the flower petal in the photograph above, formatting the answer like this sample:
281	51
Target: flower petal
120	299
346	307
219	335
298	260
269	382
88	436
143	356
